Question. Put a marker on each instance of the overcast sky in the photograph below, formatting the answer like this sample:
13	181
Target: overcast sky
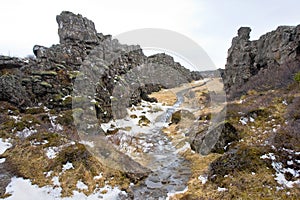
210	23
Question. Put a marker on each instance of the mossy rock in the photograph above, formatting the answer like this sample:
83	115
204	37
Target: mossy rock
144	121
45	73
133	116
65	118
176	117
34	110
45	84
111	131
75	74
77	113
180	115
242	159
67	101
214	139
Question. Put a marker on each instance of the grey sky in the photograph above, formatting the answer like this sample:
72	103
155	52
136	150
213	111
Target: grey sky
210	23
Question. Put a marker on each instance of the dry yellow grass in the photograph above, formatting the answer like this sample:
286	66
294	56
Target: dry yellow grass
167	97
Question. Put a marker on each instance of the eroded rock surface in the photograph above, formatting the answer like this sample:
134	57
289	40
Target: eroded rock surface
271	52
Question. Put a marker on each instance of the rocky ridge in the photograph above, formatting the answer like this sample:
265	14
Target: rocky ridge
268	57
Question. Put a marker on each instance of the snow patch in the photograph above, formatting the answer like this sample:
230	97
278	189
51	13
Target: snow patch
171	194
67	166
203	179
55	181
220	189
244	120
280	171
99	176
4	145
21	189
51	152
87	143
81	186
26	132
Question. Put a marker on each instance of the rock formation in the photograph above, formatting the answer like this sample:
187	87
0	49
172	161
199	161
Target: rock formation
50	76
48	82
247	58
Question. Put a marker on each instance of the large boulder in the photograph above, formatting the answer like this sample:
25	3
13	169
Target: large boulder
75	28
213	139
12	91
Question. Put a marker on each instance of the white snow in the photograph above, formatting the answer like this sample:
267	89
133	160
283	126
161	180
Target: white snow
184	148
284	102
16	118
51	152
67	166
244	120
87	143
55	127
2	160
4	145
65	97
39	143
99	176
203	179
55	181
21	189
26	132
220	189
170	194
81	186
268	156
280	171
133	139
290	162
48	174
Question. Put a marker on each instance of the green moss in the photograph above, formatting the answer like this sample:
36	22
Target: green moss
75	74
144	121
45	84
67	101
34	110
45	73
242	159
80	100
65	118
297	77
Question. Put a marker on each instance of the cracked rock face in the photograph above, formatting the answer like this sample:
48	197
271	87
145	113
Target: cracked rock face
75	28
49	78
246	58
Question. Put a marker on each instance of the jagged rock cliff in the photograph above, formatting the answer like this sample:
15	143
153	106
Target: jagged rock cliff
267	55
49	77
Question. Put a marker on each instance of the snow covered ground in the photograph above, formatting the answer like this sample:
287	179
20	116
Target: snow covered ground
21	189
4	145
281	170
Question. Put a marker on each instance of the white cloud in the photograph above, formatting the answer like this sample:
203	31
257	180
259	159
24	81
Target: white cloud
211	23
26	23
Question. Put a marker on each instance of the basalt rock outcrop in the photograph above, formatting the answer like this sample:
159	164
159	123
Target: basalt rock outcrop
271	54
49	77
46	83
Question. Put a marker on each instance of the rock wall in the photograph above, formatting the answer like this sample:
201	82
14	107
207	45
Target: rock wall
248	58
49	77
